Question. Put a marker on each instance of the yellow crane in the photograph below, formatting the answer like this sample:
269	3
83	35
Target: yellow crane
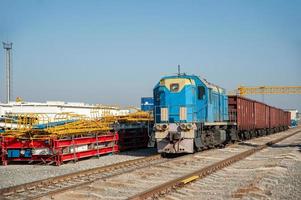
242	90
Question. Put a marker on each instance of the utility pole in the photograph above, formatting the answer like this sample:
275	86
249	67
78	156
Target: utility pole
8	70
179	70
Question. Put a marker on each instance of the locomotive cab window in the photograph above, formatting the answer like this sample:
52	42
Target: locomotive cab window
174	87
201	92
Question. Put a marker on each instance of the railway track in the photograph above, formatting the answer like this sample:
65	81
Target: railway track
57	184
166	188
160	178
273	173
132	177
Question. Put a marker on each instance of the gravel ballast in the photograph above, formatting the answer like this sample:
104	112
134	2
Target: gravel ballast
16	174
273	173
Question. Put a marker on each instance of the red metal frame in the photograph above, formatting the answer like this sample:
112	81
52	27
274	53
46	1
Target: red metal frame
57	146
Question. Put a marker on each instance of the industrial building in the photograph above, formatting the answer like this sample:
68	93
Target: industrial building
51	109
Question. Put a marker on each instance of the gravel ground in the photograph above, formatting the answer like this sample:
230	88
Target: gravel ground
15	174
128	184
18	174
273	173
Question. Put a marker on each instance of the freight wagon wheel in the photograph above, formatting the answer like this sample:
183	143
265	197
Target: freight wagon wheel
252	134
271	131
241	136
262	133
233	136
247	135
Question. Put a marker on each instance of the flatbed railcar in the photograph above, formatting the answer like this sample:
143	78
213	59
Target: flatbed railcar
192	114
55	150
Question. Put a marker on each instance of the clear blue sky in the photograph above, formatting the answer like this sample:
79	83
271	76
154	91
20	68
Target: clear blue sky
114	52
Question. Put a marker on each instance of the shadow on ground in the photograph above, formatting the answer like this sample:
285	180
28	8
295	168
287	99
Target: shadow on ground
286	145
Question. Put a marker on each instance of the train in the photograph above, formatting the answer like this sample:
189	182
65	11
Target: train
192	114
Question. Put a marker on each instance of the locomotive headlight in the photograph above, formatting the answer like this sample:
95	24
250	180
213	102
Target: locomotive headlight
164	127
158	127
161	127
186	127
189	126
183	127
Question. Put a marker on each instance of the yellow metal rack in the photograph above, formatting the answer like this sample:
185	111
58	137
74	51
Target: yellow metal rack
242	90
78	125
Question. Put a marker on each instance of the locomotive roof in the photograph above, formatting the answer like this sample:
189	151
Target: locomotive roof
212	86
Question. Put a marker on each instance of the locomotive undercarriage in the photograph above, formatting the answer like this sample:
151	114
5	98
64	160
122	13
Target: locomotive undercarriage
246	135
210	137
200	137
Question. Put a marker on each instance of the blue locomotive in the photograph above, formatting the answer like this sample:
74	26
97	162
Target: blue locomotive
190	114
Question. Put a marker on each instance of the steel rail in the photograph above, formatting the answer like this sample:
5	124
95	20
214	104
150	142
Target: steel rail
65	182
82	176
104	171
165	188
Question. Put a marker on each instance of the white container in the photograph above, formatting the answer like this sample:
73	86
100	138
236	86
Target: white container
79	148
41	151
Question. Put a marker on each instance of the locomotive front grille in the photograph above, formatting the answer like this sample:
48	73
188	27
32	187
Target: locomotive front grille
174	135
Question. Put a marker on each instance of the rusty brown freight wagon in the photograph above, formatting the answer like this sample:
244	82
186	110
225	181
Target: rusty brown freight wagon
262	115
241	110
275	121
287	118
255	118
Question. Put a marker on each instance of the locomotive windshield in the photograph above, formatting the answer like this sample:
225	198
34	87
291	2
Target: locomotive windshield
174	87
176	84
